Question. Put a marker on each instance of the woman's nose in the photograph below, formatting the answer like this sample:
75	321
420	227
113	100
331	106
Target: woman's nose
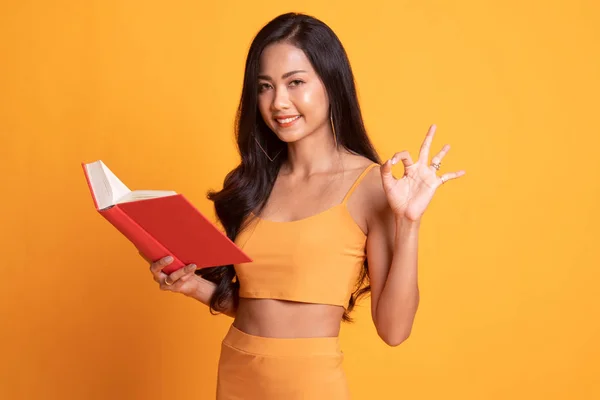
281	101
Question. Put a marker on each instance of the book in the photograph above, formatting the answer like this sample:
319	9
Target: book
160	222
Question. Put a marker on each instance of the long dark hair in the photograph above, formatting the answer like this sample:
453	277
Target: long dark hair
247	187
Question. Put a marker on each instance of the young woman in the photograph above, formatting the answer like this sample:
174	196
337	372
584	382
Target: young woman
324	221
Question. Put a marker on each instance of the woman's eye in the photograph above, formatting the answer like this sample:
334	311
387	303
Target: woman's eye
266	86
263	86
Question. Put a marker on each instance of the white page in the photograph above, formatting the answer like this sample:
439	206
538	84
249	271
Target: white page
108	190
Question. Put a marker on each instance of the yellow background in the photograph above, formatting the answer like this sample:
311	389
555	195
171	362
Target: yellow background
508	270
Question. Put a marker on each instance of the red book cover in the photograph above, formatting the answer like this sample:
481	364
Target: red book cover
160	223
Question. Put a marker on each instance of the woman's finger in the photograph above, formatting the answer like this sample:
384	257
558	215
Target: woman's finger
187	276
386	168
440	156
157	266
403	156
424	152
175	276
170	280
451	175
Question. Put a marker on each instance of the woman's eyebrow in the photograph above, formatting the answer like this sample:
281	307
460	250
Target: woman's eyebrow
287	74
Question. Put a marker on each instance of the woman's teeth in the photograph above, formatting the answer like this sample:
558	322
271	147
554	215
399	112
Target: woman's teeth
287	120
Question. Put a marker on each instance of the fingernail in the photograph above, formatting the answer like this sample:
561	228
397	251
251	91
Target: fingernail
192	266
168	259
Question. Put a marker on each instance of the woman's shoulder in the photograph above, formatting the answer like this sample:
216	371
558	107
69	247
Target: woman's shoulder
369	191
357	162
360	164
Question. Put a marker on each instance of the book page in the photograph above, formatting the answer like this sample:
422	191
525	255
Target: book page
144	194
118	189
99	184
108	190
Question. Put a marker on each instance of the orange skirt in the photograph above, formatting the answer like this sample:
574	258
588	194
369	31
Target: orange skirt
261	368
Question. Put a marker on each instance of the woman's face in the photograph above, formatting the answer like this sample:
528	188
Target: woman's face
291	97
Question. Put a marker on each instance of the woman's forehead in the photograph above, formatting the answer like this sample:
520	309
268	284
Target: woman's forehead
280	58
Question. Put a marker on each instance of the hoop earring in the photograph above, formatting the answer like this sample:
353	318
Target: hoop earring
333	129
263	150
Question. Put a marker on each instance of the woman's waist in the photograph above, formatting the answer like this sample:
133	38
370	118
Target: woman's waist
287	319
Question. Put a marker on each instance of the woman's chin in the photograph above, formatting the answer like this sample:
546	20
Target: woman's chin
289	136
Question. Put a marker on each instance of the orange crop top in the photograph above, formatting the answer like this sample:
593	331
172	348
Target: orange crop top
316	259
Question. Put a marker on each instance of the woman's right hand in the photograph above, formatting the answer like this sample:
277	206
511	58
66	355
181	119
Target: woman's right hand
186	282
183	281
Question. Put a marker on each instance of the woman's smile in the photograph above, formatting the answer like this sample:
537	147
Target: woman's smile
286	121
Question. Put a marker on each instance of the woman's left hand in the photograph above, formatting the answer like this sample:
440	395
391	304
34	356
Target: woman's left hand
410	195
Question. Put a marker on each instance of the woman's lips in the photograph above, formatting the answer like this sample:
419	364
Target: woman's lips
285	121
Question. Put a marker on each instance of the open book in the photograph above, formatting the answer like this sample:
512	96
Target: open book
160	222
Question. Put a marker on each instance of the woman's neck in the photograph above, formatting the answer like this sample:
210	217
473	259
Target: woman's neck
316	153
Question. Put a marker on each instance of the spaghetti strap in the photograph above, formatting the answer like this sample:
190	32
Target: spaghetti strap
357	182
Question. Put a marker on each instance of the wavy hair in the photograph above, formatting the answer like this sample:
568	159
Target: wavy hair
247	187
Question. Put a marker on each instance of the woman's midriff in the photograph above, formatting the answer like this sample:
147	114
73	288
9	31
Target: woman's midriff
287	319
